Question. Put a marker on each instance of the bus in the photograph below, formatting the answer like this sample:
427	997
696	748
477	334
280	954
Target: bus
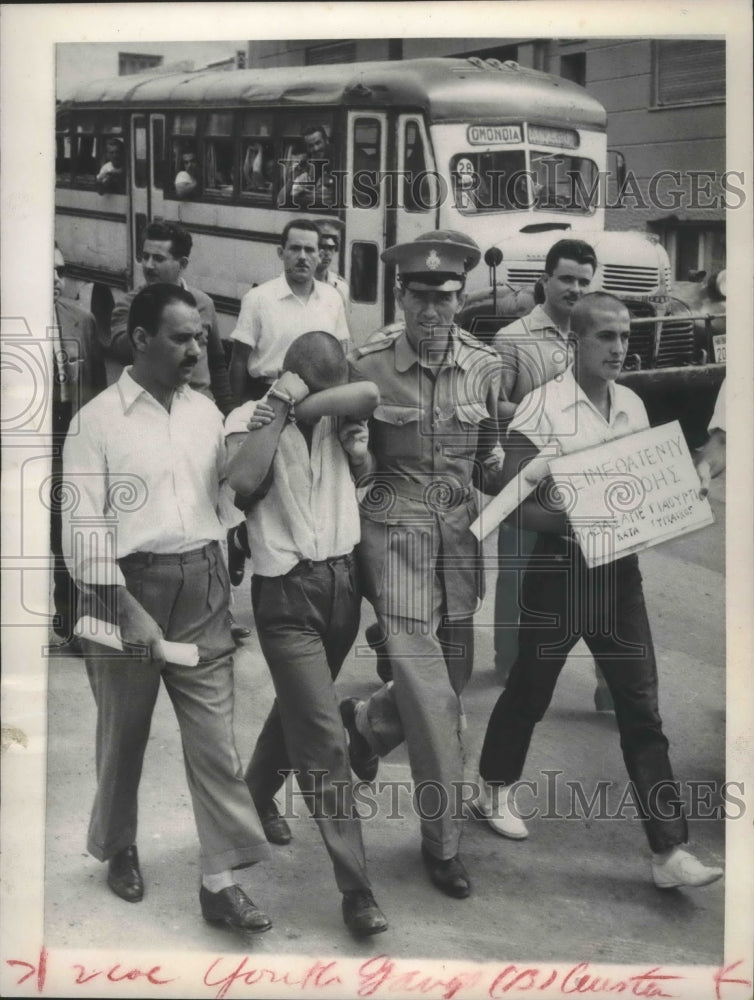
508	155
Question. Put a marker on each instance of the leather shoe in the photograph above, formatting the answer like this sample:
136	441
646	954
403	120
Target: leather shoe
124	876
238	632
276	829
449	876
364	761
233	907
361	914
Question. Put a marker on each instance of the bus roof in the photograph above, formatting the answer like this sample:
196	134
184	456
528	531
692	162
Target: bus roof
445	88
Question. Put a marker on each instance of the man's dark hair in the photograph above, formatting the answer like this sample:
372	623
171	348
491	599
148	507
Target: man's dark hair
311	129
306	224
150	303
576	250
180	238
318	359
594	301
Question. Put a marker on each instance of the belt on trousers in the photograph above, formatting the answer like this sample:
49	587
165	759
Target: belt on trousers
303	564
167	558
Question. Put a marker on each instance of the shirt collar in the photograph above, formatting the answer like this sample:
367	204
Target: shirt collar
284	289
130	390
538	320
572	394
406	356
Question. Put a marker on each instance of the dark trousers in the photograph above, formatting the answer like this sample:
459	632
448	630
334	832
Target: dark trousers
307	621
188	598
64	592
562	601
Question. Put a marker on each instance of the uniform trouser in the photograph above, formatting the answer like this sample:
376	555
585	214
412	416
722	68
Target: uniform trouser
188	598
307	621
431	664
562	602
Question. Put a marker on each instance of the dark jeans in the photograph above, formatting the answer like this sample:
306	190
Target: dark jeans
562	601
307	621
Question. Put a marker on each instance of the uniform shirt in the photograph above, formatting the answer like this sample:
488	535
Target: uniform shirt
310	510
428	433
272	316
340	285
559	412
147	478
533	351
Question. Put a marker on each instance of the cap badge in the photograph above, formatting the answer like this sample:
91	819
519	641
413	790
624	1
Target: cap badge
433	260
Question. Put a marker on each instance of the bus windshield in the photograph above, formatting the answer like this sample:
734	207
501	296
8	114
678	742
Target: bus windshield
518	179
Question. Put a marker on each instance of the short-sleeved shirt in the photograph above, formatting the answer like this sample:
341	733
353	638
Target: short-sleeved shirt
559	412
426	435
272	316
310	510
533	351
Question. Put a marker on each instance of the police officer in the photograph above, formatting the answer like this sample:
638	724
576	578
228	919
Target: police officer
431	441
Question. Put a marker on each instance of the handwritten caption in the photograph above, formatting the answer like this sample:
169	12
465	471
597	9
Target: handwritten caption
229	977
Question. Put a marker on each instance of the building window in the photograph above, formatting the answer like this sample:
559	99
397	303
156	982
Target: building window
686	72
573	68
133	62
335	52
693	247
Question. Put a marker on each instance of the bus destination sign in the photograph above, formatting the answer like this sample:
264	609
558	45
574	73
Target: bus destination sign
493	135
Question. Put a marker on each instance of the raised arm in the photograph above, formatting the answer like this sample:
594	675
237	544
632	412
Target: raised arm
355	401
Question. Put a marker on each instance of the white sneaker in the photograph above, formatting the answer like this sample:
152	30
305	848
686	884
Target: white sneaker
494	807
683	869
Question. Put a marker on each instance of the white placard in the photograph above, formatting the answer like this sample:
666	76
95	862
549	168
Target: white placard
630	493
185	654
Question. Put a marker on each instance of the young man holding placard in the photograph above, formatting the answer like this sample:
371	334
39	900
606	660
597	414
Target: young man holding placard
565	600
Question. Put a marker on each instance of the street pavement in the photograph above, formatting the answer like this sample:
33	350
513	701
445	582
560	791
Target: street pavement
579	886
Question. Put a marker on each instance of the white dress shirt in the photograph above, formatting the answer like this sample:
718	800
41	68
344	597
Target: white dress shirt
310	510
559	412
145	479
272	316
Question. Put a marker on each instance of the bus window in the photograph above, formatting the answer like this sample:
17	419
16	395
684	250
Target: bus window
418	184
365	190
184	160
490	182
307	162
86	163
364	271
63	146
556	185
257	156
141	171
158	153
218	154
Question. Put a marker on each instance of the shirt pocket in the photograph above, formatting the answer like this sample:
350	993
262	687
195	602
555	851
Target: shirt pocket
397	414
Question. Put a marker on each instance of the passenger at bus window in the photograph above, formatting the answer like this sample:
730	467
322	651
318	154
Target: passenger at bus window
258	167
187	179
111	178
164	259
310	183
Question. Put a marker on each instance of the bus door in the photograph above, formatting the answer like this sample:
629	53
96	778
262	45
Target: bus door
419	190
147	182
365	197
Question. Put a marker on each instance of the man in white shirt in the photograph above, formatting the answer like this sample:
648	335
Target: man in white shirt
710	459
305	596
275	313
534	349
143	546
564	600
